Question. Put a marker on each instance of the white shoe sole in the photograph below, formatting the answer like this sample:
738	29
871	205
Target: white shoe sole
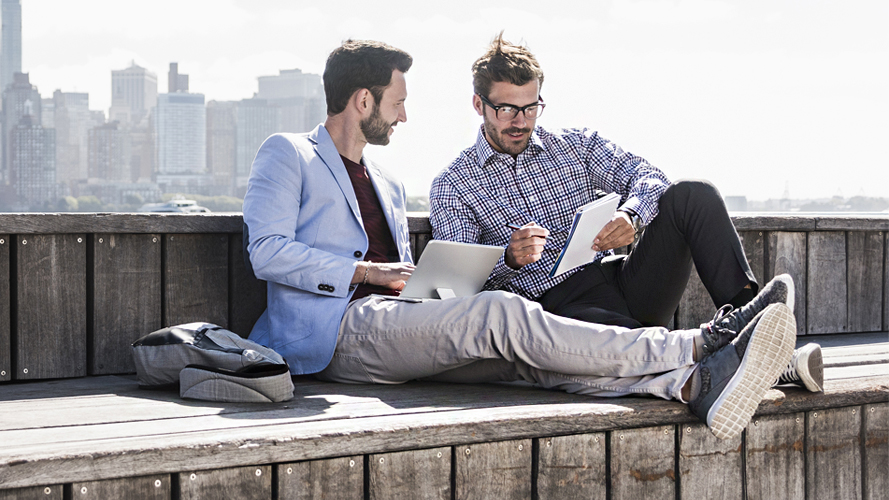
791	294
810	367
768	353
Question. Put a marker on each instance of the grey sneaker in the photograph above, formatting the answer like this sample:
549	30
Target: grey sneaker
806	369
727	322
778	290
734	379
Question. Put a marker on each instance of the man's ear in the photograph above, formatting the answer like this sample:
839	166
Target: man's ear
478	104
363	101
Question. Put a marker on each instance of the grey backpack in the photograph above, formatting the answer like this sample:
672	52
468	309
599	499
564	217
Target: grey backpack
211	363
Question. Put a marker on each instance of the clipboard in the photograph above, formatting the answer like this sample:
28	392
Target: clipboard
588	220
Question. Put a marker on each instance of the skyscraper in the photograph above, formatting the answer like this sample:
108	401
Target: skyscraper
133	93
181	125
20	99
10	41
222	127
176	82
32	163
72	122
109	153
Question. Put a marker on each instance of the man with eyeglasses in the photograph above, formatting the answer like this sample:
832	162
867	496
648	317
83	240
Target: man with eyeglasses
521	175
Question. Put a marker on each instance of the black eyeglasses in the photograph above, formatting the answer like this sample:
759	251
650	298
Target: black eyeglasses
508	112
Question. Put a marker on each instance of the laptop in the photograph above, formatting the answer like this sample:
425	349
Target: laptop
450	269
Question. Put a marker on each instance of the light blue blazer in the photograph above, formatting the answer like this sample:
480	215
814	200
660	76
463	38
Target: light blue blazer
304	236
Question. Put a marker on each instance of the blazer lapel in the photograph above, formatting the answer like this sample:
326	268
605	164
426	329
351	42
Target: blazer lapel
326	150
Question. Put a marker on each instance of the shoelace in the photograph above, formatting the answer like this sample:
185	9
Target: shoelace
790	374
713	329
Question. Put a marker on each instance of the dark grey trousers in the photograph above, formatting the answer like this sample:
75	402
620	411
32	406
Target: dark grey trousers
644	288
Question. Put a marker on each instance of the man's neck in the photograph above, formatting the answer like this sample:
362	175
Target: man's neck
346	135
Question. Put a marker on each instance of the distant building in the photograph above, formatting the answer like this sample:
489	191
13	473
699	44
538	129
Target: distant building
32	163
142	152
72	121
10	41
257	119
133	94
20	98
176	82
48	113
222	128
109	153
181	135
736	203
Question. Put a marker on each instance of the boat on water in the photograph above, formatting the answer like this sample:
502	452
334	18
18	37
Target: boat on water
175	206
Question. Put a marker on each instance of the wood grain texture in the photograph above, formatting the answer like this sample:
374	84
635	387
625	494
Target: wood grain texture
54	492
71	223
876	451
243	483
341	477
142	488
572	467
418	474
865	281
775	457
247	299
51	321
826	293
787	255
833	453
126	298
642	463
885	281
700	454
696	306
196	279
753	243
500	470
5	311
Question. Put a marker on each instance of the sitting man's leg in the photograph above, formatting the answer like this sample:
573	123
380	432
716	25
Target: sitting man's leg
389	341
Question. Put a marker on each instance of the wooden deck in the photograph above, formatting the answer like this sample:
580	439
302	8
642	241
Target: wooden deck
75	290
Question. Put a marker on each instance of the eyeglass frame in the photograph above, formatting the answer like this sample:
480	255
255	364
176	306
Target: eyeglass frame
519	109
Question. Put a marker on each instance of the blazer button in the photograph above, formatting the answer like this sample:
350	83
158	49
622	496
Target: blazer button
357	254
322	288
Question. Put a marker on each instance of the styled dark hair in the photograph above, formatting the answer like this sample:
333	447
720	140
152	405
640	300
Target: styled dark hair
504	62
361	64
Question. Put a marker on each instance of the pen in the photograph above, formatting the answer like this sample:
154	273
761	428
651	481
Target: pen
514	227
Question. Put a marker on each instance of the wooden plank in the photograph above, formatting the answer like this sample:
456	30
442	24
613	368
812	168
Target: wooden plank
5	311
500	470
572	467
834	453
695	306
700	454
317	479
420	474
754	244
642	463
51	302
775	457
126	298
762	222
143	487
54	492
865	281
243	483
876	451
885	280
826	293
247	300
842	222
787	254
196	279
72	223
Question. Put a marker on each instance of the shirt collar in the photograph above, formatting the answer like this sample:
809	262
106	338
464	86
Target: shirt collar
484	151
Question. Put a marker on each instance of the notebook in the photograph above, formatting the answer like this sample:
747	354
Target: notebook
588	220
450	269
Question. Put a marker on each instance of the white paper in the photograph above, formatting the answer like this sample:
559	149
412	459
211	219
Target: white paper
588	221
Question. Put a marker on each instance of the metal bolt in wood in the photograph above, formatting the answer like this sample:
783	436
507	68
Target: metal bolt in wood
25	371
382	459
47	490
351	464
290	469
521	447
549	444
24	242
80	240
83	490
193	477
157	483
439	454
258	472
467	451
688	430
101	240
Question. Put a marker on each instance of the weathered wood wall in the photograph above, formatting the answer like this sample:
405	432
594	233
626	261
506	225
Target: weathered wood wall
837	453
77	289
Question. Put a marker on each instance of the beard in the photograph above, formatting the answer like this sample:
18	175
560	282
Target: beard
375	128
500	138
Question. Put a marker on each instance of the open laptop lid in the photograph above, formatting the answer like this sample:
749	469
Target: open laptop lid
461	268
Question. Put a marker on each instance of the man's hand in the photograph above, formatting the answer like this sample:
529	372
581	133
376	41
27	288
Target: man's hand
525	245
617	233
392	275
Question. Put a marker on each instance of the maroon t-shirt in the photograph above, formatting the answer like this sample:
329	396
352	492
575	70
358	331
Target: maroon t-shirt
381	247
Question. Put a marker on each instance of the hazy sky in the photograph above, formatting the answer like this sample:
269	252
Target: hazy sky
754	95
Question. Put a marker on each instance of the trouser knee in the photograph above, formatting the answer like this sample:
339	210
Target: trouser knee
690	193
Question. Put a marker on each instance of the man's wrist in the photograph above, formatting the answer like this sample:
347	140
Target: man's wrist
635	220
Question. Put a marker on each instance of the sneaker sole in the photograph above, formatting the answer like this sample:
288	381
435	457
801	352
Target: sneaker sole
810	367
768	353
791	294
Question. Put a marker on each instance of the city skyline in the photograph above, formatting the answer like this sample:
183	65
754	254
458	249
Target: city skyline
756	96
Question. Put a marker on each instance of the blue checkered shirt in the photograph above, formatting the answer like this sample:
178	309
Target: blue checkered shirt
474	198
